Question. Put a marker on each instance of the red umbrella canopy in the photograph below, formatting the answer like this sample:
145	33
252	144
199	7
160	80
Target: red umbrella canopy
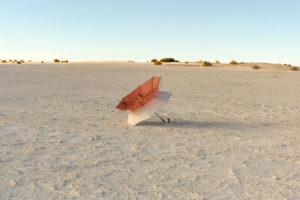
141	95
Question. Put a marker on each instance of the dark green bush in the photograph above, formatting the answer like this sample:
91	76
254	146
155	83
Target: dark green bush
56	61
154	60
167	60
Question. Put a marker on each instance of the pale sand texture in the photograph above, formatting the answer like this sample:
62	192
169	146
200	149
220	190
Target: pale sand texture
235	134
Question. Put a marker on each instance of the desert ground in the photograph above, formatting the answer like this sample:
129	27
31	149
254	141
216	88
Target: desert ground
234	133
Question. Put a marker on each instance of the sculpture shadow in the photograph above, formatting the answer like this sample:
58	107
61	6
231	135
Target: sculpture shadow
199	124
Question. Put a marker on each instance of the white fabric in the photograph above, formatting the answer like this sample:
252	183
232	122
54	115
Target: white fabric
149	109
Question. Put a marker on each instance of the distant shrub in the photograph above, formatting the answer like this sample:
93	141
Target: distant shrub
15	60
186	62
218	62
157	63
154	60
66	61
3	61
255	67
18	62
177	61
294	68
56	61
167	60
42	62
22	61
29	60
10	60
206	64
233	62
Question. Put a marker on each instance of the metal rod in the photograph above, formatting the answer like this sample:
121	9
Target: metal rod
162	119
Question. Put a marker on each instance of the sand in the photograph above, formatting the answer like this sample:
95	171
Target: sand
234	133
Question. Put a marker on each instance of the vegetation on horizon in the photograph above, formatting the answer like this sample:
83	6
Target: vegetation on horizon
157	63
206	64
56	60
154	60
255	67
294	68
233	62
168	60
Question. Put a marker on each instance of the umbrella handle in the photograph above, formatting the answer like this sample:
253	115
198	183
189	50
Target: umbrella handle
162	119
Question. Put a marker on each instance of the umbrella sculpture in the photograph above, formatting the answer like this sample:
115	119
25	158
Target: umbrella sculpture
144	101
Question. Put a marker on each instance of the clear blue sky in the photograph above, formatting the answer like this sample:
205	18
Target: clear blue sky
189	30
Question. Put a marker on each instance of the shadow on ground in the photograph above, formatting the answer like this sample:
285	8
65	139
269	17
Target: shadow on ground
200	124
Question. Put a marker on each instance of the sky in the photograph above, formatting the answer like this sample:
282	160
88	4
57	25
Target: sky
139	30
